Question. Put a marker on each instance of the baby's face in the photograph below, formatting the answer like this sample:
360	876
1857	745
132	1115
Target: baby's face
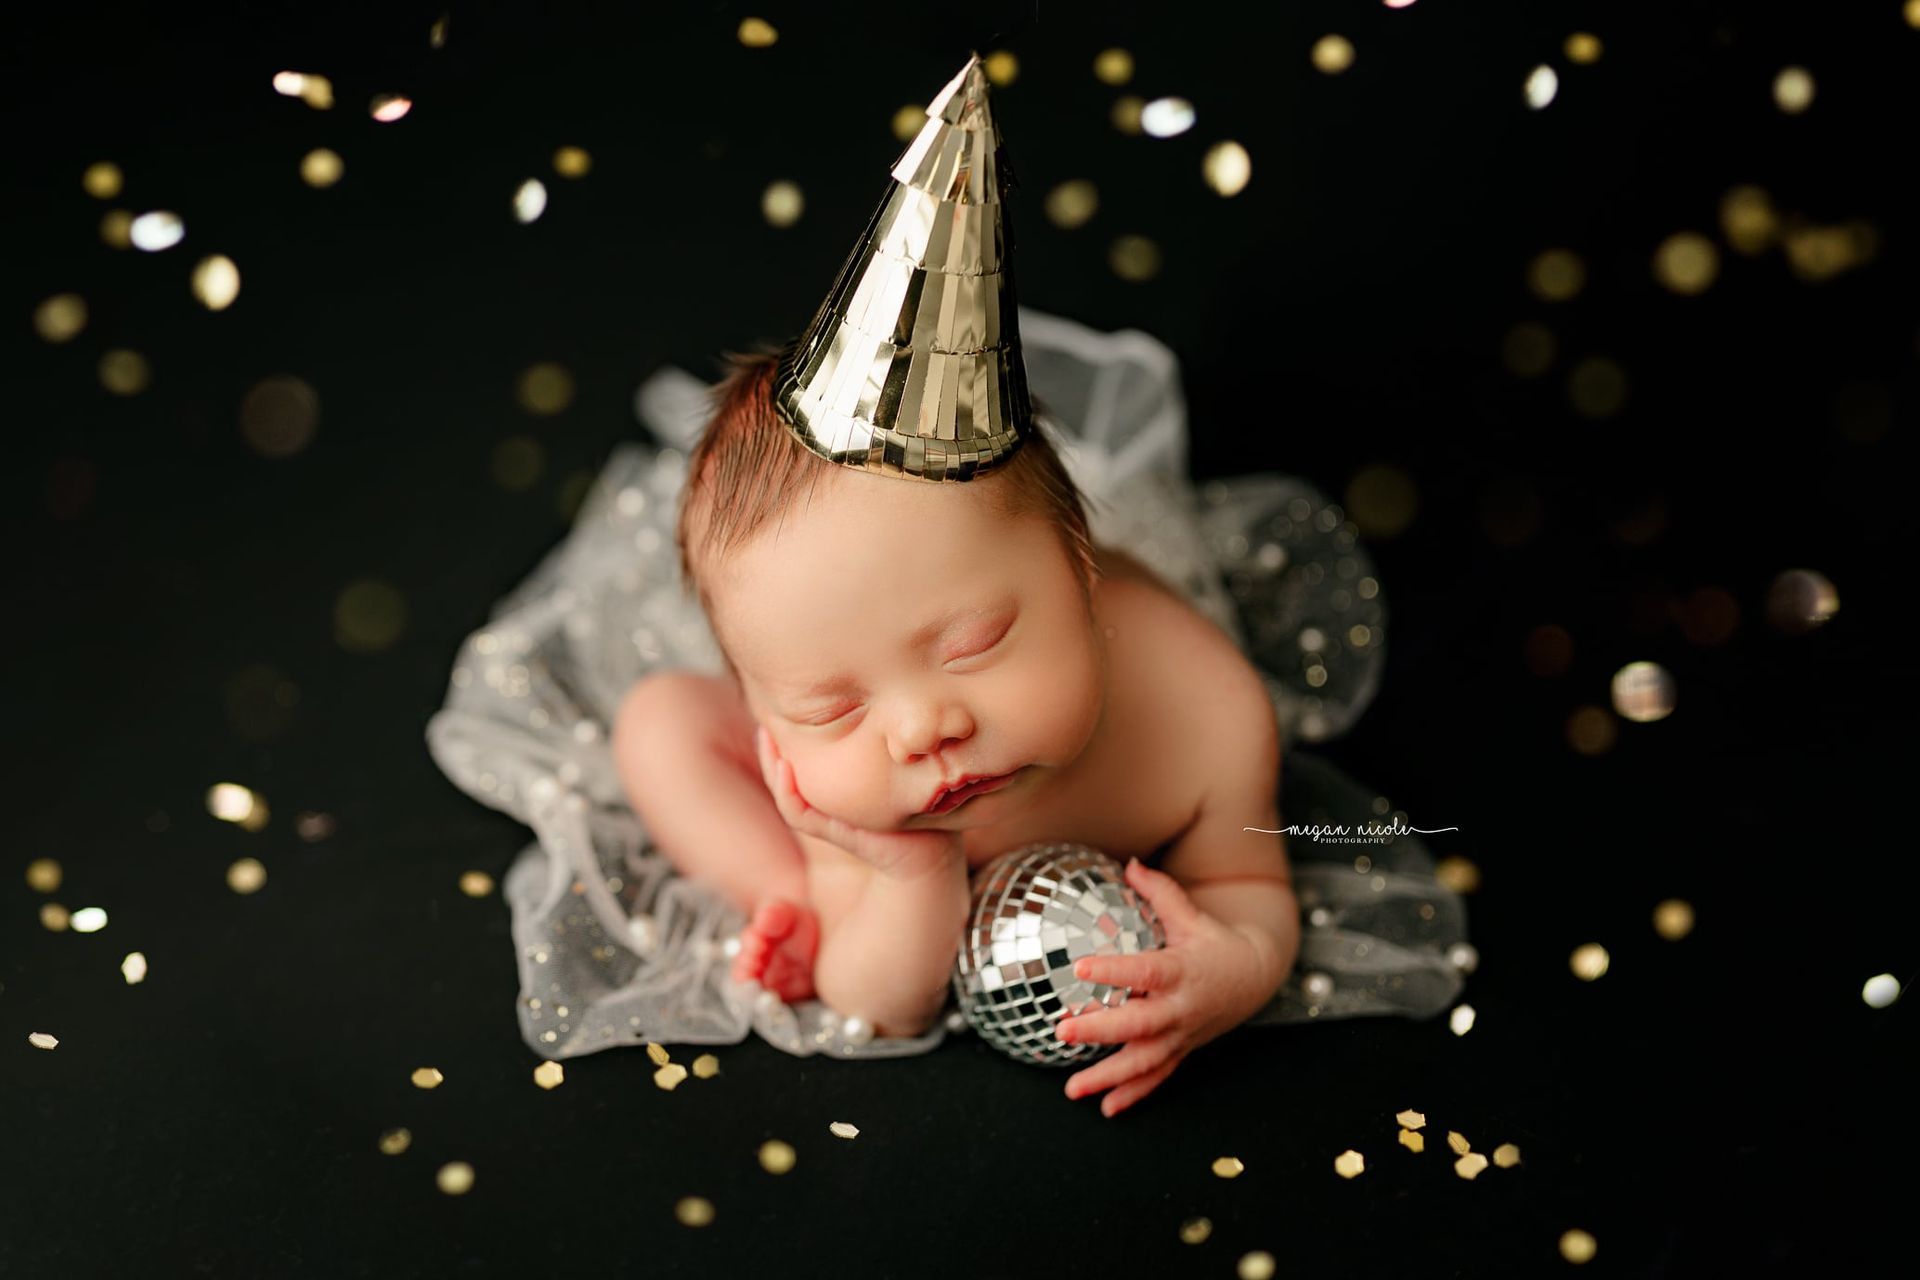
895	634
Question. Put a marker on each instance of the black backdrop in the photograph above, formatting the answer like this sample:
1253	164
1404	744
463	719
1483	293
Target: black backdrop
1725	1102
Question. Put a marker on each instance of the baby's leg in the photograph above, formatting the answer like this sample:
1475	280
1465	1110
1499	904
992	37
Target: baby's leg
683	746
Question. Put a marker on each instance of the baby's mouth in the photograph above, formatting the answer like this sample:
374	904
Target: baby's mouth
948	801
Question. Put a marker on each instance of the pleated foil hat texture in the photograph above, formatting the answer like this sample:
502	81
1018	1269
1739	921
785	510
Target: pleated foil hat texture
912	367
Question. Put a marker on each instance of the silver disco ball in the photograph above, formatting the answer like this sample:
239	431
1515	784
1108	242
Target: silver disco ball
1037	910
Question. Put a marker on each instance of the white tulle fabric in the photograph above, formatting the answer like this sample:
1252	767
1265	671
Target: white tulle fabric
615	948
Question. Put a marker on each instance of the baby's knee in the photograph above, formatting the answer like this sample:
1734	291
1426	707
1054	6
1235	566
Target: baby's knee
667	707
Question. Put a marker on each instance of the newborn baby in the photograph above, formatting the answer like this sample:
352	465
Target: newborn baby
923	676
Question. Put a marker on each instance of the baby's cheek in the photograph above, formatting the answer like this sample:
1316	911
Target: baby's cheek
1054	707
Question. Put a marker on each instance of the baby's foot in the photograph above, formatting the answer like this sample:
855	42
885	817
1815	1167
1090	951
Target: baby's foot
777	949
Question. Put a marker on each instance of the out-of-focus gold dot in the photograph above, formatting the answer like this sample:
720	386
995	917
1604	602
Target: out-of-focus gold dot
756	33
781	204
54	917
476	884
1458	1143
1349	1164
1710	616
437	33
1818	253
776	1156
1255	1265
368	616
1113	66
706	1067
1643	692
455	1177
427	1078
395	1141
544	389
1673	919
124	373
1227	168
1686	262
1555	275
41	1040
1072	203
321	167
1591	731
61	317
1411	1120
1470	1166
518	462
314	90
1002	67
1748	221
116	229
1134	258
1196	1230
1589	962
1459	874
216	282
572	162
1793	90
841	1129
693	1211
89	920
1528	349
279	416
1460	1021
908	121
670	1076
549	1075
1881	990
1228	1167
1597	387
1549	651
133	968
43	875
1506	1155
1577	1247
1543	83
1332	54
102	180
529	201
1126	113
313	827
1912	13
1412	1141
231	802
388	107
657	1054
1382	501
1583	47
246	875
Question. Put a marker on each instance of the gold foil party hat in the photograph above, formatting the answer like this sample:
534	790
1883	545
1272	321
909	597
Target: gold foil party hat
912	366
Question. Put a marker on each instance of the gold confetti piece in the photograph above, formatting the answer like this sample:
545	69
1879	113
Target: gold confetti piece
1881	990
670	1076
1793	90
841	1129
1332	54
1126	113
1113	66
1578	1247
246	875
134	968
1588	962
1411	1120
1412	1141
54	917
1349	1164
1228	1167
1459	1143
43	875
1673	919
549	1075
1506	1155
1134	258
476	884
42	1040
1071	204
455	1177
61	317
116	229
427	1078
89	920
388	107
1470	1166
321	167
781	204
529	201
1227	168
216	282
1195	1230
756	33
706	1066
368	616
124	373
776	1156
693	1211
659	1054
1002	68
572	162
1257	1265
102	180
1458	874
395	1141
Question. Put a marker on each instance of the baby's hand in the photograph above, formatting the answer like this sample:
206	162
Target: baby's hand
904	855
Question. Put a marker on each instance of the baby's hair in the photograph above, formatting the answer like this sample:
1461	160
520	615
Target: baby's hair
746	470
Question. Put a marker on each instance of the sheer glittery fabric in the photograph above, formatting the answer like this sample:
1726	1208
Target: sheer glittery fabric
615	948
